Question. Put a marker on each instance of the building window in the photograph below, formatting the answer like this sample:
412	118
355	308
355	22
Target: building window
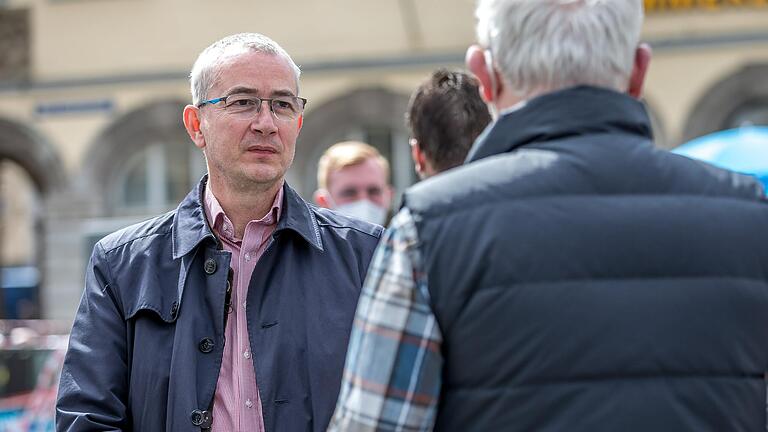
157	178
14	45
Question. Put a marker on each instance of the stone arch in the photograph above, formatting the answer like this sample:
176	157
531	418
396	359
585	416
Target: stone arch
26	147
127	135
720	101
40	161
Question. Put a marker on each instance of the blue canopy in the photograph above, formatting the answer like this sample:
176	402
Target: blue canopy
743	150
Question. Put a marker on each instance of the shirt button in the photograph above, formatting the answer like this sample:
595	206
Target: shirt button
247	354
248	403
247	257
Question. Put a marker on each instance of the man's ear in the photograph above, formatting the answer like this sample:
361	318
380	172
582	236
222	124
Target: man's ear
321	198
637	78
192	125
476	62
418	157
301	121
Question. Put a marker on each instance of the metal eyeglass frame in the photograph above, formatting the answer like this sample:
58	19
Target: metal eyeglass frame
261	101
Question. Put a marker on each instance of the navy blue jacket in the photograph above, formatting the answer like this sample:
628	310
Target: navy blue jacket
587	281
146	345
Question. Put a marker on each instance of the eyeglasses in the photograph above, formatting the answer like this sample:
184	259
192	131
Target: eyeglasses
282	107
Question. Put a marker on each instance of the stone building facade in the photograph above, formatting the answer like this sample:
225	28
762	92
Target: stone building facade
91	93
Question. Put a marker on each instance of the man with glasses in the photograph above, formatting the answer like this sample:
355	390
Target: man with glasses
233	311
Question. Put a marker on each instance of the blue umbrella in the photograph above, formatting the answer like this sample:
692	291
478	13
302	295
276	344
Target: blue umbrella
743	150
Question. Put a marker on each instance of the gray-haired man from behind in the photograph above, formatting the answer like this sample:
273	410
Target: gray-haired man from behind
232	312
570	277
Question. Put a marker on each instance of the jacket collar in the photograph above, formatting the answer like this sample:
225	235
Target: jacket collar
190	227
298	217
562	114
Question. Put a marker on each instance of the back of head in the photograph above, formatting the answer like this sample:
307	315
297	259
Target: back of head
346	154
206	67
445	116
547	45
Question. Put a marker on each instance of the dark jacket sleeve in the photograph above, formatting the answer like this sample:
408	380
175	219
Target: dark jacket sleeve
93	390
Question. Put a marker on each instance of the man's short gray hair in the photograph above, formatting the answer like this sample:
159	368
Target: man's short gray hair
546	45
206	67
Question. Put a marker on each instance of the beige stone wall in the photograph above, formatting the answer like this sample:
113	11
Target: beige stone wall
89	40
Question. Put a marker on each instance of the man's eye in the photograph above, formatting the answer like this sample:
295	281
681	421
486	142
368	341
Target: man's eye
242	103
281	104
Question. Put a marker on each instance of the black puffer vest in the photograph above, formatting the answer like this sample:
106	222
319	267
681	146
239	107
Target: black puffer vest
587	281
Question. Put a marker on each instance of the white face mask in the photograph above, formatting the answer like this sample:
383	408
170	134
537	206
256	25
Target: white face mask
365	210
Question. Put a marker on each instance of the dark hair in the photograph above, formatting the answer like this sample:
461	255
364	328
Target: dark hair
445	115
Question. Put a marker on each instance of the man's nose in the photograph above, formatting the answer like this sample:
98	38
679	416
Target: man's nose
264	121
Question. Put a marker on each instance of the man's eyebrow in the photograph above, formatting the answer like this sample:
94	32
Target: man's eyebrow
282	93
241	90
253	91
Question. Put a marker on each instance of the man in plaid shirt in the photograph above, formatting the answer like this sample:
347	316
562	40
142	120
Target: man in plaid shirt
392	375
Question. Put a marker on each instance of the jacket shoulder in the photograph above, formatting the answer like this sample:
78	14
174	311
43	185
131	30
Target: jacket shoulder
336	221
157	226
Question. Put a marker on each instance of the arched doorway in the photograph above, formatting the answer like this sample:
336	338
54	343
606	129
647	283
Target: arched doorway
30	170
738	99
143	163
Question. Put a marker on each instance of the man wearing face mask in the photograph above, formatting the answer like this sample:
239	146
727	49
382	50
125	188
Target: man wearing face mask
353	179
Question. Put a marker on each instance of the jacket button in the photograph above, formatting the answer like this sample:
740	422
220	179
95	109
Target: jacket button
210	266
174	310
202	419
205	345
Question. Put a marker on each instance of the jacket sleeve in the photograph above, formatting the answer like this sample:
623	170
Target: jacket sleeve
93	390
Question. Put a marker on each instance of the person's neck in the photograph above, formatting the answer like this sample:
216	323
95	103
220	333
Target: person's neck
242	205
510	101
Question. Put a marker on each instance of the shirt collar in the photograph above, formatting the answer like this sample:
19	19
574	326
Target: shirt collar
221	224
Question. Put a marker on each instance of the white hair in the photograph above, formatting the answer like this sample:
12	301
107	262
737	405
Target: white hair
547	45
206	67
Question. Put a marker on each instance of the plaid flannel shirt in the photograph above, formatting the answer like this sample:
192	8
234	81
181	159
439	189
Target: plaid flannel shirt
394	362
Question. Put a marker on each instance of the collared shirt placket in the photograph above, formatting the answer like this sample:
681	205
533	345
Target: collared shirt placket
239	391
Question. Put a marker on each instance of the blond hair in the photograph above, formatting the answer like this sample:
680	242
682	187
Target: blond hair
345	154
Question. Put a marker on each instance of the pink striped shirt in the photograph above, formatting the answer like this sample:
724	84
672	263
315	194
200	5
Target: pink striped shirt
237	404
